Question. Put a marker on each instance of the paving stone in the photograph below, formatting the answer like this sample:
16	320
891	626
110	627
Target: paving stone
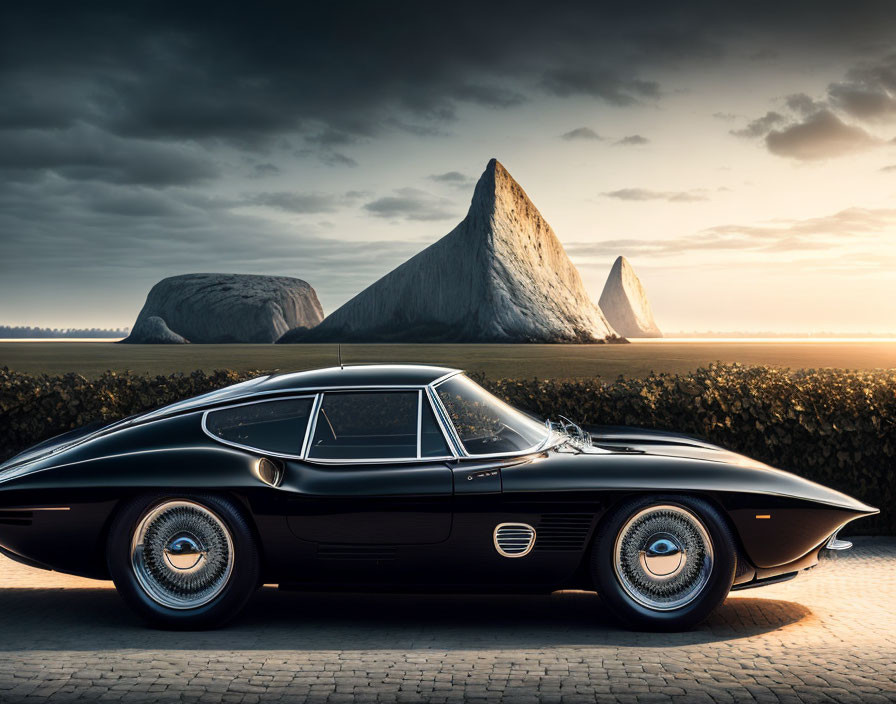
828	636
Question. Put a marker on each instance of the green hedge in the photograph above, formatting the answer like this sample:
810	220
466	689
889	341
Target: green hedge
836	427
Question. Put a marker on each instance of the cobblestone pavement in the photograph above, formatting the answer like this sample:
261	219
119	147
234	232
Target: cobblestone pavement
829	635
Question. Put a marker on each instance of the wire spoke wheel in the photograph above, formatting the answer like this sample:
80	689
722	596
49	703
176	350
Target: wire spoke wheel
182	554
663	557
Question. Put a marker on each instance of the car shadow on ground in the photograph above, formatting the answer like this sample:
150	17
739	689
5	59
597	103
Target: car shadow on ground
96	619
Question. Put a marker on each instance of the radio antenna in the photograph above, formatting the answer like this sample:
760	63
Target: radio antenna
339	355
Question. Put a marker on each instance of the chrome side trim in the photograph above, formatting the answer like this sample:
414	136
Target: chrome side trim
376	460
37	508
513	539
259	450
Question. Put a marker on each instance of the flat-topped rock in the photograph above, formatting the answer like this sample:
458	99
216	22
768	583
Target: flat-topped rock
501	275
221	308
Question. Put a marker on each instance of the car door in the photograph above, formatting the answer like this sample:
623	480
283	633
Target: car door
375	473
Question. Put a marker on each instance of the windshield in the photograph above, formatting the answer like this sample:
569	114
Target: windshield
486	425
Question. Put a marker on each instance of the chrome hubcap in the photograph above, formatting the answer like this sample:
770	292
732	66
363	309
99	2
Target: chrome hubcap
185	553
663	557
182	554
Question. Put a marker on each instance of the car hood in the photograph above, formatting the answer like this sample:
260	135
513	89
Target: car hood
665	444
755	475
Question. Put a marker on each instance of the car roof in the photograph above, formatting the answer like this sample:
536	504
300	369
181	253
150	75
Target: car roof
356	375
348	377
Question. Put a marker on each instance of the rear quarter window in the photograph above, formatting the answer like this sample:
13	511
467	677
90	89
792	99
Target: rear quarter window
277	426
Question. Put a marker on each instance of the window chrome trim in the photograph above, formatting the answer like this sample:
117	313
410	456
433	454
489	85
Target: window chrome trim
419	423
444	424
269	453
446	377
375	460
444	420
535	449
371	460
312	424
237	400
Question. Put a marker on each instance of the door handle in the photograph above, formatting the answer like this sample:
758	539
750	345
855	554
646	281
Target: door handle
477	481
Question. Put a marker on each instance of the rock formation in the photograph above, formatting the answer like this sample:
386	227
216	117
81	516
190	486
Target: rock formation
153	331
624	302
501	275
225	308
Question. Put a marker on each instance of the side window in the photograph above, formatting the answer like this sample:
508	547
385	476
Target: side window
274	426
432	442
366	425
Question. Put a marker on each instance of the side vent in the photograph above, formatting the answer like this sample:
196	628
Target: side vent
564	531
15	518
514	539
344	551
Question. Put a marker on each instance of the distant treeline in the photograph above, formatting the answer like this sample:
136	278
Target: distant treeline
20	331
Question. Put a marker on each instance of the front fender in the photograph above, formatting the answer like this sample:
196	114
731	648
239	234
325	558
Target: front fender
778	516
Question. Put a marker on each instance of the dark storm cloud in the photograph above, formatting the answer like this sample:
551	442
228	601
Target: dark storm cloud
760	126
566	82
412	204
302	203
124	238
632	140
490	96
87	154
642	194
263	170
217	71
339	72
580	133
187	71
820	136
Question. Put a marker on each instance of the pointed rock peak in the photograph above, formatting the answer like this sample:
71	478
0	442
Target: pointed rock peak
487	185
496	189
621	266
624	302
501	275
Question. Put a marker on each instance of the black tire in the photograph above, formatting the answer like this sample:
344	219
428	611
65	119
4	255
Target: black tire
681	597
227	571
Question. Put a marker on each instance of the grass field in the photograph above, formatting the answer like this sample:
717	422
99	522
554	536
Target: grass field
520	361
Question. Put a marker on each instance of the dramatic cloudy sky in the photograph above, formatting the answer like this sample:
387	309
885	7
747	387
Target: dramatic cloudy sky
740	154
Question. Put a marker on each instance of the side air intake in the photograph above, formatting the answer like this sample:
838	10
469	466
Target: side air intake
514	539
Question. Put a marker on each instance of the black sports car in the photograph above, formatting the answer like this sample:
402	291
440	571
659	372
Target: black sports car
409	478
